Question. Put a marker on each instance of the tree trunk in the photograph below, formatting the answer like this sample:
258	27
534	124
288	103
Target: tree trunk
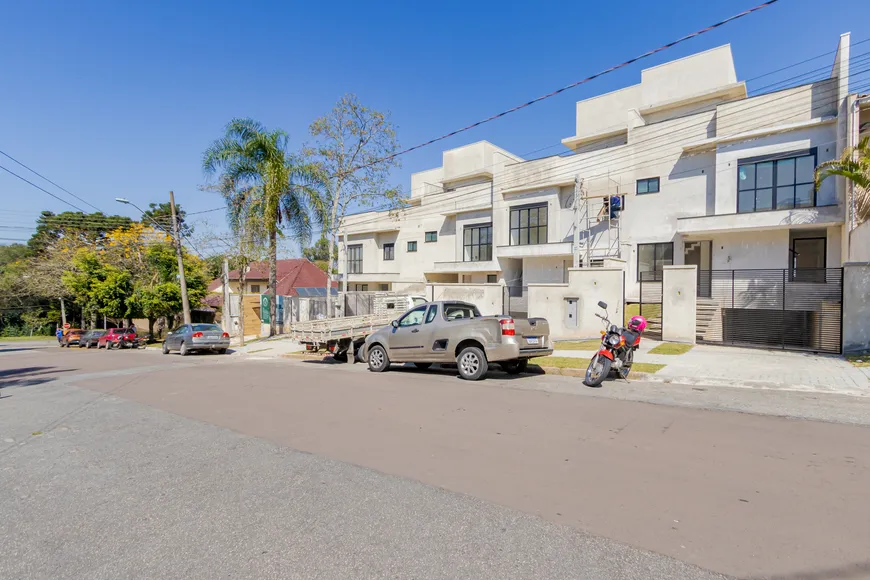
273	281
243	277
333	230
150	330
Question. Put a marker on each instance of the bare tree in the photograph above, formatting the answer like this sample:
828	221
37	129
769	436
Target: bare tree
356	148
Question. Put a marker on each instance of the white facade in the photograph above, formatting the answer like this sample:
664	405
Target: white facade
683	131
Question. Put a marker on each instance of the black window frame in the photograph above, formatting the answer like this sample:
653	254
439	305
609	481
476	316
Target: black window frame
527	229
430	237
774	160
657	272
492	278
389	252
647	181
430	314
412	246
484	250
354	259
257	286
809	275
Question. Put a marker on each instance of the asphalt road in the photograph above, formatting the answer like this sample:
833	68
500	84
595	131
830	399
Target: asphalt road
284	469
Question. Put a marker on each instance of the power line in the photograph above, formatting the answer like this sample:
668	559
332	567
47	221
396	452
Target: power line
48	180
41	189
570	86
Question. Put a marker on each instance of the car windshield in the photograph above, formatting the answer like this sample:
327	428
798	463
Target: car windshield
460	312
206	328
120	331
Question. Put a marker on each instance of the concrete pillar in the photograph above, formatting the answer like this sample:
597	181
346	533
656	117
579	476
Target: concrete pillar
856	307
679	303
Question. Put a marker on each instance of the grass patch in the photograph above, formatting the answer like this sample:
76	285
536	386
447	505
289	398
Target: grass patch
577	345
649	311
25	338
859	360
671	348
566	362
648	368
258	350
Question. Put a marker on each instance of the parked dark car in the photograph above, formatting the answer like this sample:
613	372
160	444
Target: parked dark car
72	336
91	338
117	338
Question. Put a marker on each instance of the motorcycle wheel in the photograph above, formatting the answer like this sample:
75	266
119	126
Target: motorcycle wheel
626	364
597	371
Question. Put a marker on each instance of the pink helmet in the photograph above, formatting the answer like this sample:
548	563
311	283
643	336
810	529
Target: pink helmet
637	323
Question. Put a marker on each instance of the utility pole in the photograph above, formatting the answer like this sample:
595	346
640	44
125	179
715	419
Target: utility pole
181	280
578	185
344	277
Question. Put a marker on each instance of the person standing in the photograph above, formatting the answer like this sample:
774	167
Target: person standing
59	334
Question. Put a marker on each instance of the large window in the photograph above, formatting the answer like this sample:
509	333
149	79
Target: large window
529	225
651	258
477	243
808	259
354	259
389	251
776	182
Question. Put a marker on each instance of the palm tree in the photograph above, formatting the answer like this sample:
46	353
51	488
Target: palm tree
854	165
285	186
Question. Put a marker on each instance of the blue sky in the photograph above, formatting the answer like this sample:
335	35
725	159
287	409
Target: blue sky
116	99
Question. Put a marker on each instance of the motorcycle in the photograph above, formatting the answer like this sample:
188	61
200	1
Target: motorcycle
617	349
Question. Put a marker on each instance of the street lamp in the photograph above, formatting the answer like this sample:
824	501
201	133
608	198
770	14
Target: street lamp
177	241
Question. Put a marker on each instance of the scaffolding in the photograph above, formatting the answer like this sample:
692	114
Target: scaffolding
597	225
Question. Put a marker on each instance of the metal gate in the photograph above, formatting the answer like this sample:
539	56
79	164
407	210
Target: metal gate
791	309
651	303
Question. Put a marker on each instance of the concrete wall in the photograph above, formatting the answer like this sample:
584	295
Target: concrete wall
549	270
487	297
588	287
859	243
856	308
679	303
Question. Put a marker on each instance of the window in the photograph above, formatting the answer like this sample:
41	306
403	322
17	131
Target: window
383	287
477	243
431	237
529	225
766	183
648	185
460	311
430	316
255	288
389	251
808	259
491	278
651	258
413	318
412	246
362	287
354	259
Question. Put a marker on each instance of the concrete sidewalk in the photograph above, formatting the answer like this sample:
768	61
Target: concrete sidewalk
752	368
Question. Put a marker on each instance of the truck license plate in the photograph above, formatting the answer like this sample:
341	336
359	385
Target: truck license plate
532	339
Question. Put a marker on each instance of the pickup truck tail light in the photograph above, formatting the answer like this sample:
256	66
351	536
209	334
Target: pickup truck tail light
507	327
197	335
226	335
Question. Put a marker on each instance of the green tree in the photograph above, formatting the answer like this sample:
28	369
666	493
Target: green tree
87	228
356	147
854	165
319	254
161	214
257	162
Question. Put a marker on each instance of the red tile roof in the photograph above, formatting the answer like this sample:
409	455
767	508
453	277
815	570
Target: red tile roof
291	274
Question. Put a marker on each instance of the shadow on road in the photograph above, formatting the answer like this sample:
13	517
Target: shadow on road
28	376
847	572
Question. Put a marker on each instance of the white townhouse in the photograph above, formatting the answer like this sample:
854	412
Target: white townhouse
704	174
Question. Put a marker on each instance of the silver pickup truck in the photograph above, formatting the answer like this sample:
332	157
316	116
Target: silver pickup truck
455	332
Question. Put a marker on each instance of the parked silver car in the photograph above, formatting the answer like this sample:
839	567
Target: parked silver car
188	338
455	332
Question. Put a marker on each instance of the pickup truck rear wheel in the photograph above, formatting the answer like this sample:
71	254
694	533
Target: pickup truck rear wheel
472	363
378	359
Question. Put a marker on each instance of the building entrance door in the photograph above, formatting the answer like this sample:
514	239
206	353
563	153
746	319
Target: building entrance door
700	254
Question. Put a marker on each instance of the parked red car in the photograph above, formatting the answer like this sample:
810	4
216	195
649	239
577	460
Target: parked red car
117	338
